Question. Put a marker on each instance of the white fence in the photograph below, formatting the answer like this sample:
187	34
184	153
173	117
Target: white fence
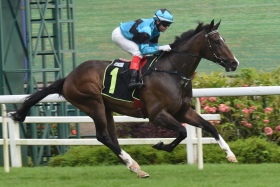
15	142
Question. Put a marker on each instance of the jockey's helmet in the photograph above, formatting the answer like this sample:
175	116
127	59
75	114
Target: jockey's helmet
163	15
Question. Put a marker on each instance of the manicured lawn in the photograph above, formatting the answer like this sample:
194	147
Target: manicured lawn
250	28
215	175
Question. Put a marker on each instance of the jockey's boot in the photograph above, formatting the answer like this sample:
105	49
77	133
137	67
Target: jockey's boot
133	83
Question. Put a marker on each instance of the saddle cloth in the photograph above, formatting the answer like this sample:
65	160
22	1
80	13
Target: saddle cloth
116	80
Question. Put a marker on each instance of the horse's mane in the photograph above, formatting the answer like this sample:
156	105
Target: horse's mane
188	34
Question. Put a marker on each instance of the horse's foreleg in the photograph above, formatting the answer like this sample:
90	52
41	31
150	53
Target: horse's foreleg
164	119
91	102
192	118
104	120
131	164
102	135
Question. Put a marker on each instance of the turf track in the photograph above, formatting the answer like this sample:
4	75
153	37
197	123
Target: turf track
213	175
251	28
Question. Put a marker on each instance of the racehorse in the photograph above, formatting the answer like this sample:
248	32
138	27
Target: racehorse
166	99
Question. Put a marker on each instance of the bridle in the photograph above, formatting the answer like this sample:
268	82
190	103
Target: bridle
182	76
216	58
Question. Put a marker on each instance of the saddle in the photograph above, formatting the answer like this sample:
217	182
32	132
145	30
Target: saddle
116	80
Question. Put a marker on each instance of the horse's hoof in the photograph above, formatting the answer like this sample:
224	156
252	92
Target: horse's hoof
142	174
232	159
159	146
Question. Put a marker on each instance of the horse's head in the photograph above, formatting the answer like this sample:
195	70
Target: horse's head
217	50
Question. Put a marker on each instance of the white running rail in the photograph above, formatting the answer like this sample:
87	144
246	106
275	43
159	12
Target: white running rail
191	142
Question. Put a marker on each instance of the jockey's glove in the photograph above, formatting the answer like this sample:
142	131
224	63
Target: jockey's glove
164	48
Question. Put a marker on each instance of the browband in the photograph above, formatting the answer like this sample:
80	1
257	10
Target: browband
210	33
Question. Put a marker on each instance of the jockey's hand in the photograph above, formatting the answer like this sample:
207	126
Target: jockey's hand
164	48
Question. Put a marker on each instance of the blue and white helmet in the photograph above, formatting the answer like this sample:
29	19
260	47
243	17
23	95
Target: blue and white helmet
163	15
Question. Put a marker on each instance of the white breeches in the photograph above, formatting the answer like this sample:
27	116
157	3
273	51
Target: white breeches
127	45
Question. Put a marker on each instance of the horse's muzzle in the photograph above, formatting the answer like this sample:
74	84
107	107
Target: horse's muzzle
230	66
233	65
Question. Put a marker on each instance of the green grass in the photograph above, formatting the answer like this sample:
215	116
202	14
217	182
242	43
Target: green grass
251	28
215	175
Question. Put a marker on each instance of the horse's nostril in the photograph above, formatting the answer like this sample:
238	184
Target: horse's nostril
234	64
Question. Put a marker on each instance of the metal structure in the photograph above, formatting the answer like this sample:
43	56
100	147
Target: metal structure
37	37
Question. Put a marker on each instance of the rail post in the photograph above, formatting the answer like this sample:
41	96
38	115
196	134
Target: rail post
5	139
15	149
191	147
199	137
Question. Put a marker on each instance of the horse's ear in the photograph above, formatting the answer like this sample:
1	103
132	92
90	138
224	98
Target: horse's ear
217	25
211	25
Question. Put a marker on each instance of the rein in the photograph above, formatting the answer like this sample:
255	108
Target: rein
182	76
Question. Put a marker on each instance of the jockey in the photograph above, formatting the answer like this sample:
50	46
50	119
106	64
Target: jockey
140	38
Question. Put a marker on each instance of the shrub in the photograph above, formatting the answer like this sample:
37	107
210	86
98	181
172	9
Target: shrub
101	155
248	151
252	150
85	156
246	116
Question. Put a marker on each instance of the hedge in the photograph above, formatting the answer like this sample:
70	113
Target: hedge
252	150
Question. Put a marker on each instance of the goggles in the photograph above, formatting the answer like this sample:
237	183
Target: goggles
165	24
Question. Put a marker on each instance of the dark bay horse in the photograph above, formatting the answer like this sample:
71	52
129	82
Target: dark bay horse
166	99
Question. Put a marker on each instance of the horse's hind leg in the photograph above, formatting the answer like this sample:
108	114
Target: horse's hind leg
192	118
111	126
106	134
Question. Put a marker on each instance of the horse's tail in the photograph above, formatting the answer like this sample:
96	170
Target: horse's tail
56	87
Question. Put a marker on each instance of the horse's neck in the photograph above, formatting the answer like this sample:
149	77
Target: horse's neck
187	64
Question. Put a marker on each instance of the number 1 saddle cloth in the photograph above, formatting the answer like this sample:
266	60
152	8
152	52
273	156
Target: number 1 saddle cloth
116	80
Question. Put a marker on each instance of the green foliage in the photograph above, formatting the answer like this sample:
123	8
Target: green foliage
247	116
214	80
252	150
101	155
248	151
86	156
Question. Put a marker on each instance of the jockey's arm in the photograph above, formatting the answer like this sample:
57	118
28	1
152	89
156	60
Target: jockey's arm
147	45
146	49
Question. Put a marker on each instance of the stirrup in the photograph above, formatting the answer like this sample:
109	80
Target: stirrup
134	85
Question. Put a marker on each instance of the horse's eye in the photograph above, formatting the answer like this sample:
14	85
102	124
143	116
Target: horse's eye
216	41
